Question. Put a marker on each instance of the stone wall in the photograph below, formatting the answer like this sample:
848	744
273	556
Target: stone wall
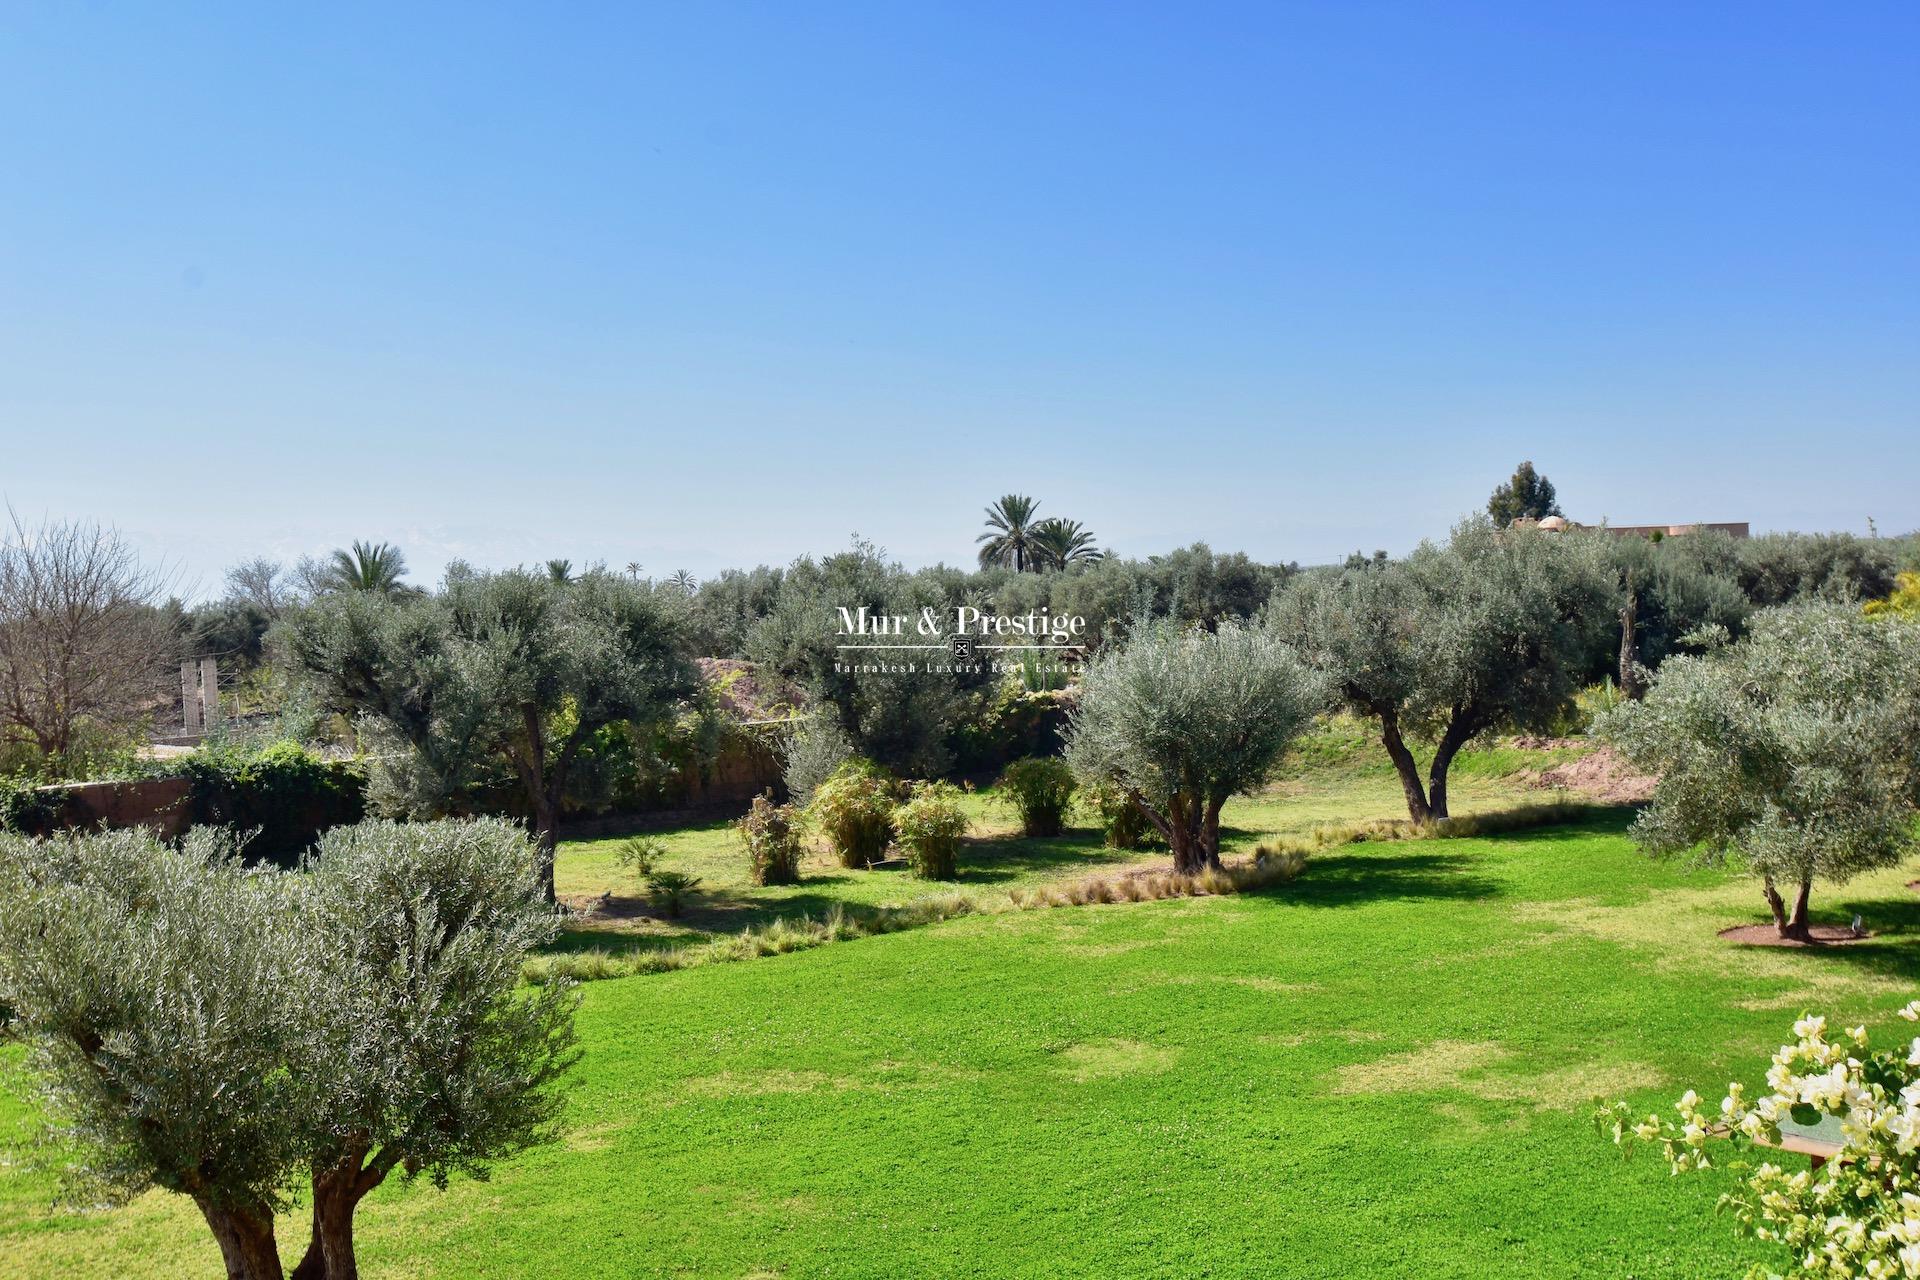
165	804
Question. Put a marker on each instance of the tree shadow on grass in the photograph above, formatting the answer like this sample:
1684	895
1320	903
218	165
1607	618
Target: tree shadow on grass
629	924
1894	949
998	859
1353	879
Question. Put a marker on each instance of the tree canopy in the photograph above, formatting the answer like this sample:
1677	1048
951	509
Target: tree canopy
228	1033
1183	719
1790	751
1527	494
510	671
1496	628
1009	539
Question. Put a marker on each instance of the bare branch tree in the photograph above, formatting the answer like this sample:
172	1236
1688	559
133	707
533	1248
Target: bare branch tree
81	643
265	584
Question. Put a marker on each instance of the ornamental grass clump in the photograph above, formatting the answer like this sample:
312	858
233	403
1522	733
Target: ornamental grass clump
1270	865
929	827
1859	1213
1040	789
775	841
854	809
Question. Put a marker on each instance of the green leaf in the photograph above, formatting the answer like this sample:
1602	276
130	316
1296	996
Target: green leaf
1805	1113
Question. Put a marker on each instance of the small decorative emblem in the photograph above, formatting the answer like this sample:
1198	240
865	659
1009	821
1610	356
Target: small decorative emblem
960	646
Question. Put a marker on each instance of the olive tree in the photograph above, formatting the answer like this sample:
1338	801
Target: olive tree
429	1058
510	671
1492	630
1358	628
1182	719
1666	592
229	1034
900	717
161	997
1791	752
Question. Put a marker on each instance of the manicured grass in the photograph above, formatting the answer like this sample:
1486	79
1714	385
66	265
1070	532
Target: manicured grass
1380	1069
1337	774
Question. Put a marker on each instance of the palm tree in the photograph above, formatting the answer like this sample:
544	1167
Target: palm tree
633	568
1009	535
560	571
369	566
684	581
1058	543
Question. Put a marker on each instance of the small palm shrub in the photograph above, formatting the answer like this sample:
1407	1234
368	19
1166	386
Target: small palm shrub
1121	823
669	890
1040	789
773	836
929	826
640	856
854	809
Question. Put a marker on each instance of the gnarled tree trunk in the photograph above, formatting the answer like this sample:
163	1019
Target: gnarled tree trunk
1797	925
1458	730
337	1192
1406	766
246	1240
1191	828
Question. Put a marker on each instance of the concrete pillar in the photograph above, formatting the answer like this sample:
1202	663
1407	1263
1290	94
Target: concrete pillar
190	697
210	690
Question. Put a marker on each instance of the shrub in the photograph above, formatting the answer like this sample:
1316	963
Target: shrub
773	836
1040	789
930	825
639	856
1122	824
283	793
28	808
669	890
854	808
1854	1216
809	756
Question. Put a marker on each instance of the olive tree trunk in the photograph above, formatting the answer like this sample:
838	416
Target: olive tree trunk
1633	684
1796	926
1458	731
1406	766
338	1190
1191	828
246	1240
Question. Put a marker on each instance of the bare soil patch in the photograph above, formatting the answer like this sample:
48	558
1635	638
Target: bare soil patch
1603	774
1766	935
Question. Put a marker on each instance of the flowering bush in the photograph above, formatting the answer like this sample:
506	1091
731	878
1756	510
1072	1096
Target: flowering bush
930	826
1859	1215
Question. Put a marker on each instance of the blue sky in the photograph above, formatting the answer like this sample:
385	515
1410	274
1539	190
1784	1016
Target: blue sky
704	285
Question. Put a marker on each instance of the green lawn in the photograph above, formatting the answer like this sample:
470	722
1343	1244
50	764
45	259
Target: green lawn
1380	1069
1337	774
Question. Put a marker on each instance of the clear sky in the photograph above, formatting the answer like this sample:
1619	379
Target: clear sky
702	285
